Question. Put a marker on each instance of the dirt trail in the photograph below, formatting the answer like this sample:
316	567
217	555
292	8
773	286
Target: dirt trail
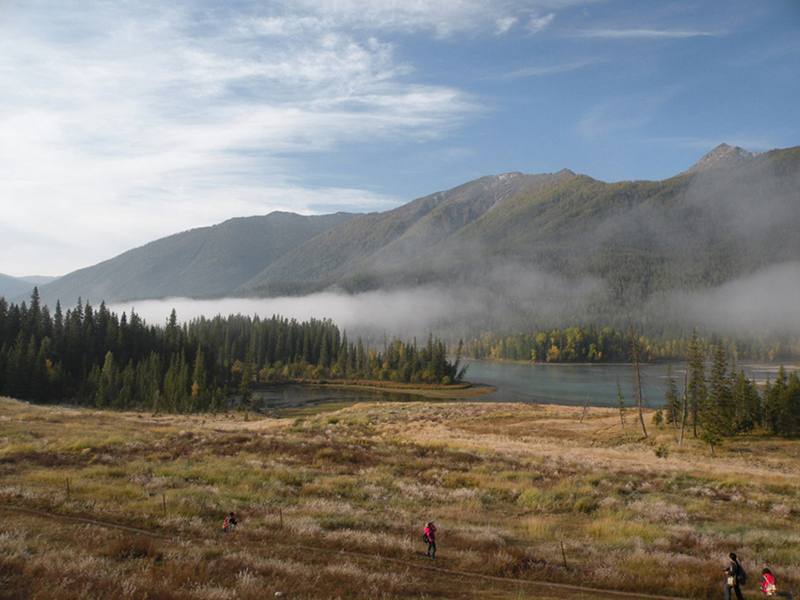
422	564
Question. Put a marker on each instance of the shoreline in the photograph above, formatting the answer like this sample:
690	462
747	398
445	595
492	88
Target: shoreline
761	366
460	390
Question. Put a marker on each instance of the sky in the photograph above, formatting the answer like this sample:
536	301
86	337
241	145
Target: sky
125	121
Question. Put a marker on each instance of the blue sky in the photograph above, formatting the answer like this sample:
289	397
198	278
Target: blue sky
125	121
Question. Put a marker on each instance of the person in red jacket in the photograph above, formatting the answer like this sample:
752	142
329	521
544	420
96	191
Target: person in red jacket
768	582
430	536
229	523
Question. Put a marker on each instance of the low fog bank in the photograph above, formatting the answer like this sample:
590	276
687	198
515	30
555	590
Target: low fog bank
514	301
762	303
447	312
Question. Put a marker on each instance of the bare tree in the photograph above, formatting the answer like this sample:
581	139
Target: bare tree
685	400
635	354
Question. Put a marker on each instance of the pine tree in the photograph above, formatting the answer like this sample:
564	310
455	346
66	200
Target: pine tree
697	381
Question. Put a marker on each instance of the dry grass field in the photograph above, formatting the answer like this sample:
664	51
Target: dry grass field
529	502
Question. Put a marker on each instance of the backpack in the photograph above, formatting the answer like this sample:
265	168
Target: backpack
226	523
770	589
425	538
741	575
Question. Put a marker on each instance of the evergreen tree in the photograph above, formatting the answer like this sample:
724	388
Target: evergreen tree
697	381
672	401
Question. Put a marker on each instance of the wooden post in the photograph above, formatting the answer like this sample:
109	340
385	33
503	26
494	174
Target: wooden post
164	503
280	514
564	556
68	494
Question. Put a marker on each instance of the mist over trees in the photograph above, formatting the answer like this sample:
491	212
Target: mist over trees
94	357
714	247
591	344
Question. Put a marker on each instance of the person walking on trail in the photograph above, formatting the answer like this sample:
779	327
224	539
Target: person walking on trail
735	576
768	585
429	535
229	523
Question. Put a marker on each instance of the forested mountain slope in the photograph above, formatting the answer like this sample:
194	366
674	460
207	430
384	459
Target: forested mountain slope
372	246
733	213
202	262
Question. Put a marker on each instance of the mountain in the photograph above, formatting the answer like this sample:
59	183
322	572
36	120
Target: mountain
524	243
730	214
202	262
378	244
723	156
14	286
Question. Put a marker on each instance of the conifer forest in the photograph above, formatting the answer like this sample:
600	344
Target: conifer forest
94	357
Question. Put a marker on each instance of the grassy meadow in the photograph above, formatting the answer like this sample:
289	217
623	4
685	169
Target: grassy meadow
528	501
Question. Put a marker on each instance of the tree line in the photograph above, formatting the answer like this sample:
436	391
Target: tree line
718	400
591	344
96	358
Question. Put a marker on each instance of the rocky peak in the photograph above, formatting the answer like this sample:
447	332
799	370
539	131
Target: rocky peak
722	156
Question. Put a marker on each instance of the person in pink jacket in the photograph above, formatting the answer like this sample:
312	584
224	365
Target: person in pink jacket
768	582
430	536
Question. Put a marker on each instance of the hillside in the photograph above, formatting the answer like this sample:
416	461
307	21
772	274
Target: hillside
595	246
371	246
561	245
14	286
208	261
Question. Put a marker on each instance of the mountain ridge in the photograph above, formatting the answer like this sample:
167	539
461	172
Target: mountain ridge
724	156
201	262
383	236
732	212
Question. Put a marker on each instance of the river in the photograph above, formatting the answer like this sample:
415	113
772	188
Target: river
571	384
566	384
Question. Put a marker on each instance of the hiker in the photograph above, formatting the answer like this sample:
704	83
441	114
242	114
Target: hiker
429	536
735	577
768	582
229	523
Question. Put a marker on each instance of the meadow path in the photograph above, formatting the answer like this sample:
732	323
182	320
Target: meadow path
541	588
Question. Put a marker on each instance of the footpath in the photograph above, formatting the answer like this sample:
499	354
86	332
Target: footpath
537	588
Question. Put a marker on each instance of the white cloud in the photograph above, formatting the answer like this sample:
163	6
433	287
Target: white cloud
644	33
549	69
505	24
537	23
113	113
443	19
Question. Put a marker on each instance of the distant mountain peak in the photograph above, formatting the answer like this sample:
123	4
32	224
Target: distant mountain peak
722	156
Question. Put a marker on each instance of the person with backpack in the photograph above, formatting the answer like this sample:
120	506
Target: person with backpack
429	535
768	585
735	577
229	523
